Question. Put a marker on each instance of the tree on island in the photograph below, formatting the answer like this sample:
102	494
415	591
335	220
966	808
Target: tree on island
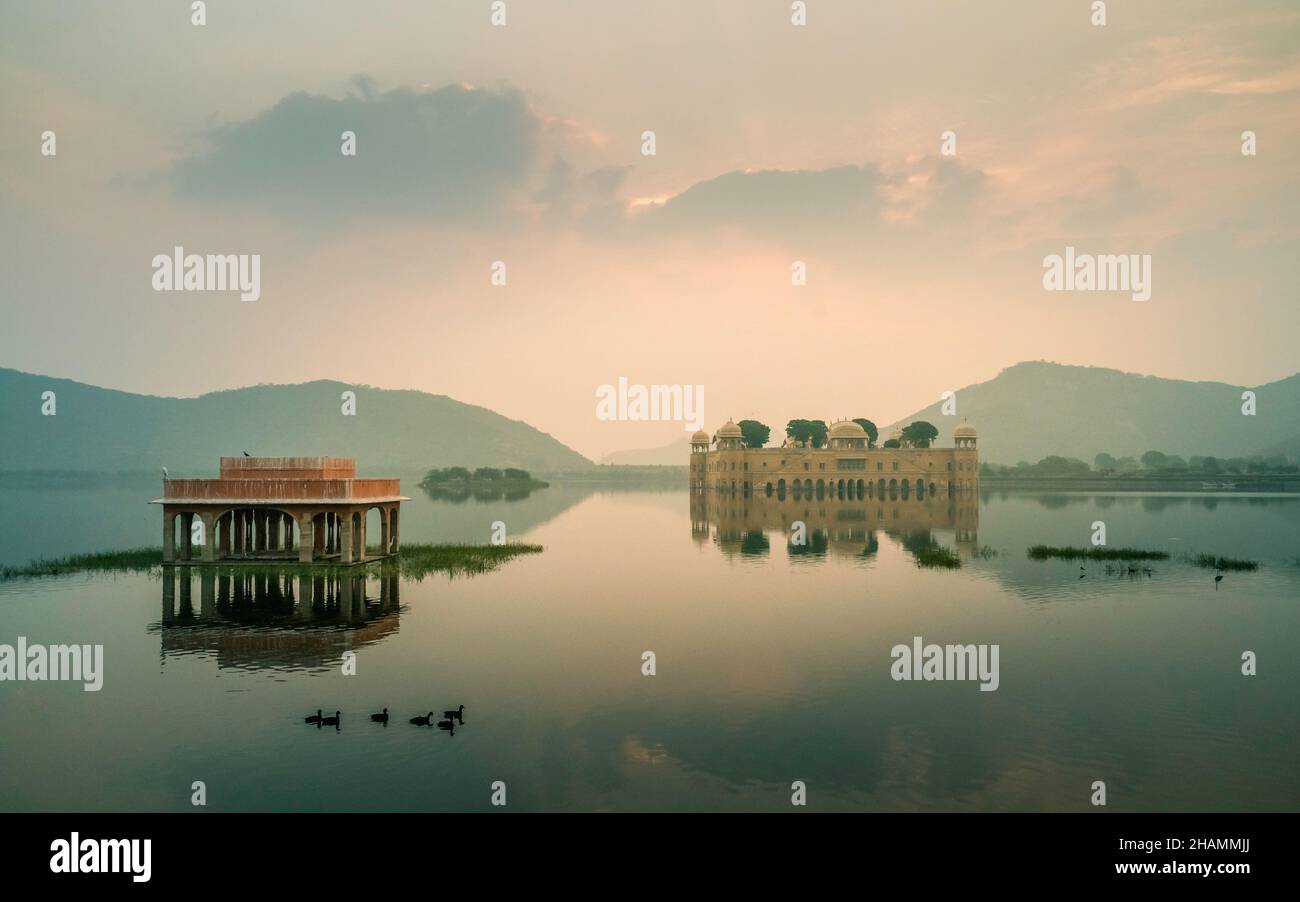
870	428
807	431
1103	461
919	434
487	473
754	433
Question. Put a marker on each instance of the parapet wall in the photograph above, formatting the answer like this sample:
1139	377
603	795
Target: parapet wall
288	468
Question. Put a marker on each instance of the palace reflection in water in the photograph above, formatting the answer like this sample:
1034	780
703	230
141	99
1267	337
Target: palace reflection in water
849	527
271	618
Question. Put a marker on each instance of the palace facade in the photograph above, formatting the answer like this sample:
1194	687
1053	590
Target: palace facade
845	469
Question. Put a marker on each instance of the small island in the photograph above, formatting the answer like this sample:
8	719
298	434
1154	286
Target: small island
482	484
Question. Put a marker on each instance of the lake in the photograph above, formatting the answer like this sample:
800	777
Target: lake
772	661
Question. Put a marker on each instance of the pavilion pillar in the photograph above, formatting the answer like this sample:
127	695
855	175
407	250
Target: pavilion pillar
306	541
187	529
237	532
345	539
209	552
169	536
361	543
317	536
397	532
383	530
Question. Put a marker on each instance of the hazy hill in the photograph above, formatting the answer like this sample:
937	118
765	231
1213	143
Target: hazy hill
1031	410
393	431
677	454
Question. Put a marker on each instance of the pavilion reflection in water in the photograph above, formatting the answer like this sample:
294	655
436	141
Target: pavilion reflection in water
271	618
739	525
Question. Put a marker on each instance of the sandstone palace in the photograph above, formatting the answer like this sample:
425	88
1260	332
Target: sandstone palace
845	468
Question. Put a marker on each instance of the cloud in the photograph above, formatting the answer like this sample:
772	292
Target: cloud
454	153
776	201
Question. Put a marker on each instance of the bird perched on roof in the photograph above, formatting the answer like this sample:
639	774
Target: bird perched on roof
164	472
246	454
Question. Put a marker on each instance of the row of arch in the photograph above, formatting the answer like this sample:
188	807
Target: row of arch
265	532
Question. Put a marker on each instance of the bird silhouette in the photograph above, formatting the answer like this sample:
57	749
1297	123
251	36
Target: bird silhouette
164	473
246	454
422	721
458	714
331	721
313	718
1217	579
380	718
448	725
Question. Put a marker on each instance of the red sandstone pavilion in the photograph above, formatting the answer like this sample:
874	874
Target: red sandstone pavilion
251	511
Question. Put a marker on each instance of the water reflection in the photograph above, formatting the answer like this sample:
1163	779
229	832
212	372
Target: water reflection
274	619
743	526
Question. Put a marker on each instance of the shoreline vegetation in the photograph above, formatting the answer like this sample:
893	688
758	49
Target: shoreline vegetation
1155	470
413	561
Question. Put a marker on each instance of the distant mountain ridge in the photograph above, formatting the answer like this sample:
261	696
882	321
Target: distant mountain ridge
1035	409
675	454
398	431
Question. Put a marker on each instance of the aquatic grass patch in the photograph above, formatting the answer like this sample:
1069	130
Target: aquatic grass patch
134	560
985	552
418	561
937	556
1220	563
1096	553
413	561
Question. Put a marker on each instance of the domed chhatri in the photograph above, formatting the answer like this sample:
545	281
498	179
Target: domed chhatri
846	467
847	429
730	437
964	436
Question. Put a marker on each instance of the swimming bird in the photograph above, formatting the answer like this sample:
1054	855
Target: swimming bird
459	714
330	721
380	718
313	718
448	725
422	721
1217	579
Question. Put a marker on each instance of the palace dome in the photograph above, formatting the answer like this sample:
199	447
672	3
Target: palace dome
729	430
848	429
965	430
700	438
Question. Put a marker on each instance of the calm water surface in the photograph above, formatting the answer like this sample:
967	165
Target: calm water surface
773	662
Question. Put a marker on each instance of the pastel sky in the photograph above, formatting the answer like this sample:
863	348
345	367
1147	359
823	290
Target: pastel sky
523	144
